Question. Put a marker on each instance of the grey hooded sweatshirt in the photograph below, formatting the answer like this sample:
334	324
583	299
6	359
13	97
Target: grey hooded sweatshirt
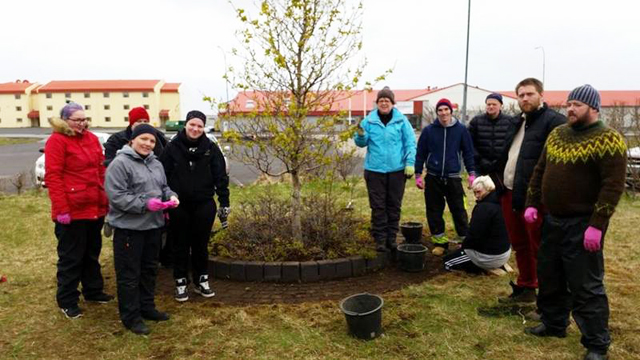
130	182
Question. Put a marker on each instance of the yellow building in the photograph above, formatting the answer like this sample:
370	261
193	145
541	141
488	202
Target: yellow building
16	103
107	102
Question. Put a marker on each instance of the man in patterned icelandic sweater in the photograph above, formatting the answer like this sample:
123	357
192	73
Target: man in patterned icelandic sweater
579	179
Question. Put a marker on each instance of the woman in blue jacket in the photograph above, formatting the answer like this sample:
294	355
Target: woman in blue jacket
391	148
441	146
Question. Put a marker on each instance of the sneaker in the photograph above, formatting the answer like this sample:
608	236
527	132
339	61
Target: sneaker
202	287
72	312
592	355
533	315
542	331
155	315
519	295
140	328
181	290
101	298
438	250
107	230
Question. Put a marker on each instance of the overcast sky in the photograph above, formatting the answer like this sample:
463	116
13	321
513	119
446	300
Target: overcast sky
585	41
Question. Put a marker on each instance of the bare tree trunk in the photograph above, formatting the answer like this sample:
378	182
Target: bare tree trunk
296	202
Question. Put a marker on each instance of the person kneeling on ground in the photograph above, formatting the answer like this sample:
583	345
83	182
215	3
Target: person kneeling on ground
486	246
138	192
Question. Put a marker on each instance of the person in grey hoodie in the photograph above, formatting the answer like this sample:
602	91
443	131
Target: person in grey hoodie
137	189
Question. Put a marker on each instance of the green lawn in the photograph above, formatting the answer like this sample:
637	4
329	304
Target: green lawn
434	320
17	141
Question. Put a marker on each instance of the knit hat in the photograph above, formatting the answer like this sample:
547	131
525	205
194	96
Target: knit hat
444	102
586	94
136	114
386	93
143	129
195	114
494	96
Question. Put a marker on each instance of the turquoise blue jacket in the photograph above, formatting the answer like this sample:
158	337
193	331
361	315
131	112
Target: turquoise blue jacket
389	148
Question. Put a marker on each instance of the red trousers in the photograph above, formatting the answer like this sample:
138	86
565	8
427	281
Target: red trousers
525	241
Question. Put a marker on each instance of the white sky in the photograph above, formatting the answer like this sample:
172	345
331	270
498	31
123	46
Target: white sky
586	41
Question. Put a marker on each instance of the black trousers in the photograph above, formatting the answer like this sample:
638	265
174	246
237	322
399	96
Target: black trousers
135	254
190	228
459	260
79	246
570	280
436	191
385	199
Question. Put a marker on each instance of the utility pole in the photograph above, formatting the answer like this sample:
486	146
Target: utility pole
466	68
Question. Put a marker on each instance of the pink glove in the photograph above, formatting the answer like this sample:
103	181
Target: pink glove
155	205
592	239
64	219
419	182
530	215
471	179
170	204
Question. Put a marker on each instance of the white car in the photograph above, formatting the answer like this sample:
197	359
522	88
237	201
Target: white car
633	168
39	167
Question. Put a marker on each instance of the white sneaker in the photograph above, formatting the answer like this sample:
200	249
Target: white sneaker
181	290
203	288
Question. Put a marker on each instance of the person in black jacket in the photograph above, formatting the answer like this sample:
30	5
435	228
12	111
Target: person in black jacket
196	170
488	132
523	147
116	141
486	246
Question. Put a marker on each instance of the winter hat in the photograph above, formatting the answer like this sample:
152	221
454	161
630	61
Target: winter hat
69	109
143	129
386	93
586	94
444	102
494	96
136	114
195	114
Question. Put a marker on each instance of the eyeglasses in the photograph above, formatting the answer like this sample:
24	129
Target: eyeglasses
78	120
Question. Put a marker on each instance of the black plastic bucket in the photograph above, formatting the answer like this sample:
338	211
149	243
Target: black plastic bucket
364	315
411	257
412	232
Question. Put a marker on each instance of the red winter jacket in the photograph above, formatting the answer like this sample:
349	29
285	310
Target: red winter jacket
74	173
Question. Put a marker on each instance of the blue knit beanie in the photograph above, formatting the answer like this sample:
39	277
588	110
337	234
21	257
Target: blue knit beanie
586	94
494	96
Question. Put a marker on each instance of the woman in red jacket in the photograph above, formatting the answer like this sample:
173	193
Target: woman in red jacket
74	174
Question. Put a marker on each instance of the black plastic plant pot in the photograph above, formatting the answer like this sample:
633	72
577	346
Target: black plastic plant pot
364	315
411	257
412	232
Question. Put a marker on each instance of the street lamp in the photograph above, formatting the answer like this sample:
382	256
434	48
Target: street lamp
224	55
543	61
466	68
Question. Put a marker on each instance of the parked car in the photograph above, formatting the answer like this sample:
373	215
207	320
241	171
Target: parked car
39	166
633	168
174	125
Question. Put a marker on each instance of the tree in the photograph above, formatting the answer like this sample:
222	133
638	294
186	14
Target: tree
299	59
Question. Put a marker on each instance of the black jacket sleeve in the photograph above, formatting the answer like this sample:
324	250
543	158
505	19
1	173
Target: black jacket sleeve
219	174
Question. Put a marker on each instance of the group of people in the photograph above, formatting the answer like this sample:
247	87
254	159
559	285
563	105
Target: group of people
140	183
545	185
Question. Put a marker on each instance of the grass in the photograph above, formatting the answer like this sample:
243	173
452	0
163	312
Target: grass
17	141
434	320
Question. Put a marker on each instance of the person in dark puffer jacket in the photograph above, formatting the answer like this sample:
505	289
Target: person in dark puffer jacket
486	246
196	170
489	131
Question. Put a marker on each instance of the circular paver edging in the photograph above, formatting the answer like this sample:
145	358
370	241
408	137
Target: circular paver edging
294	271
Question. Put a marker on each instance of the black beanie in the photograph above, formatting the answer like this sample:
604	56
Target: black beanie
494	96
195	114
386	93
143	128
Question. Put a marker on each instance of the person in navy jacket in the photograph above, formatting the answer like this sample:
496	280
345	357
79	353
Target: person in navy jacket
391	148
441	146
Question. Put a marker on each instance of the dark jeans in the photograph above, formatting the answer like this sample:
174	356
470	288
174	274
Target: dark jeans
385	199
166	252
79	246
459	260
190	228
570	280
436	191
135	254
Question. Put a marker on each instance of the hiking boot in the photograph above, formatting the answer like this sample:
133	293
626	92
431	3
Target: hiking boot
181	290
592	355
542	331
72	312
519	295
155	315
140	328
202	287
533	315
101	298
438	250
